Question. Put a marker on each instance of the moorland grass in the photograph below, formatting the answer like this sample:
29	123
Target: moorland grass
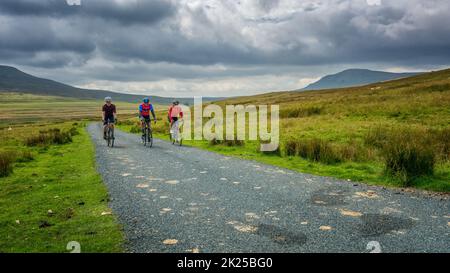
57	178
358	133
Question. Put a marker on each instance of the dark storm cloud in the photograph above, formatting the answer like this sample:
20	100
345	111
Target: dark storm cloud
36	7
32	29
265	35
140	11
309	36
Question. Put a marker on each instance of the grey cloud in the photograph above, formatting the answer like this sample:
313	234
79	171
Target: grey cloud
153	40
36	7
141	11
268	5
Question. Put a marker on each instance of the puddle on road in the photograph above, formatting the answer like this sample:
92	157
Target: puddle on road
281	235
379	224
329	197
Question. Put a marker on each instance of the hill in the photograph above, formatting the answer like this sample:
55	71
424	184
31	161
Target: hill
355	77
362	133
14	80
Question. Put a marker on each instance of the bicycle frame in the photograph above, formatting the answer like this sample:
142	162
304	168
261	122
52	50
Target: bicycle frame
110	134
148	135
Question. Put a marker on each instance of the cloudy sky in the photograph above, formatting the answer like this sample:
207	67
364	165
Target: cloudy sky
219	47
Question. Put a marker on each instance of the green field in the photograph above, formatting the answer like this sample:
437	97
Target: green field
60	179
350	131
54	195
18	108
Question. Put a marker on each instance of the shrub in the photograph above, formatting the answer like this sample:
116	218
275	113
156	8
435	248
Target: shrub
376	137
291	147
6	163
74	131
214	142
232	143
300	112
229	143
276	152
442	140
319	151
408	154
161	128
136	129
316	150
126	122
437	88
349	152
52	136
24	156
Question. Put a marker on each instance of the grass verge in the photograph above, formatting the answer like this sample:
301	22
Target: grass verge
54	198
372	172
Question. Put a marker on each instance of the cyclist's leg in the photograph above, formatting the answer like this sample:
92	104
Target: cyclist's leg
175	130
149	124
111	126
149	128
171	128
105	127
143	127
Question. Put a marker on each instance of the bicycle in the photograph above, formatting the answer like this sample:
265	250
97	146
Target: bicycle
147	138
175	134
110	139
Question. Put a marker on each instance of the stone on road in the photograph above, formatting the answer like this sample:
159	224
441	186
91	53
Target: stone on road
182	199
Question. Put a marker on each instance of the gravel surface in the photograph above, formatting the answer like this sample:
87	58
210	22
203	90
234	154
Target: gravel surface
182	199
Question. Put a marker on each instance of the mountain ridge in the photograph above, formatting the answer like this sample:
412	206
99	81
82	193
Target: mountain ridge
15	80
355	77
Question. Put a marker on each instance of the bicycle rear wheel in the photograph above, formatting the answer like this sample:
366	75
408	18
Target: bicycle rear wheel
145	136
150	138
112	137
108	137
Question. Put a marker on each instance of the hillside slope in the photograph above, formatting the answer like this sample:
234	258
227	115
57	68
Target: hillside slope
420	85
355	77
14	80
354	133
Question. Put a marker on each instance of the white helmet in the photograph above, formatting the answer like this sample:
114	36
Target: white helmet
108	99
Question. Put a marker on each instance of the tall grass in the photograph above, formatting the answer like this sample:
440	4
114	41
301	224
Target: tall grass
408	153
315	150
51	136
442	143
226	142
318	150
326	152
158	128
6	163
376	137
24	156
300	112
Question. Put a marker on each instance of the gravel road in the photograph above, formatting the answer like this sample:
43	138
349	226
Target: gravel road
182	199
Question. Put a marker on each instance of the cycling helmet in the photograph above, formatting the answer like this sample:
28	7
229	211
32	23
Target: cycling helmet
146	100
108	99
176	102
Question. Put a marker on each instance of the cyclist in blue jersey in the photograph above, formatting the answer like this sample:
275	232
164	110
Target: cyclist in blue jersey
144	114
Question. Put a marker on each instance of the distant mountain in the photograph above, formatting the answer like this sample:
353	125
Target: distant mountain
355	77
14	80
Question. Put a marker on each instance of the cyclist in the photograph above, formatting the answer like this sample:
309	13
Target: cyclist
144	114
109	114
175	112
